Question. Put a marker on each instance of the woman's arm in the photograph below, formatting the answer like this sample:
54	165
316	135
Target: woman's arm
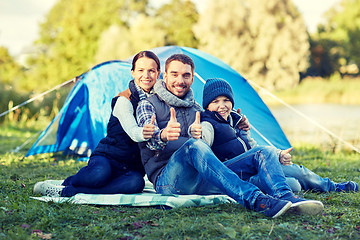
124	112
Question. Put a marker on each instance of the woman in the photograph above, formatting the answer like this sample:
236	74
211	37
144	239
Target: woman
115	165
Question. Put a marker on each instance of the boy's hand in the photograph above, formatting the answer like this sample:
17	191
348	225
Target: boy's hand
244	122
195	128
172	130
285	157
149	129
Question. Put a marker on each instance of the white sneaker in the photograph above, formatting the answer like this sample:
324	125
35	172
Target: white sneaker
55	182
47	189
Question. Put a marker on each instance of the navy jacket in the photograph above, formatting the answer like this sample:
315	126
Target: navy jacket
117	145
227	139
155	161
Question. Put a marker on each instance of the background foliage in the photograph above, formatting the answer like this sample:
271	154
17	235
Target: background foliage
342	27
265	40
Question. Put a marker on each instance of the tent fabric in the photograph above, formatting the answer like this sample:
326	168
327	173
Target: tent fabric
81	123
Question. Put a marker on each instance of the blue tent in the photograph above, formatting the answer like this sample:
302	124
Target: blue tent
81	123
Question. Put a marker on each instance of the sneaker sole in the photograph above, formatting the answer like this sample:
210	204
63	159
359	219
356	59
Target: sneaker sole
309	207
283	210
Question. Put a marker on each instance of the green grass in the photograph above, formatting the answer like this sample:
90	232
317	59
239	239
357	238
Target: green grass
24	218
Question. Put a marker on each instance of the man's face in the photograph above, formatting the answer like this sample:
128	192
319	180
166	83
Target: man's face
178	78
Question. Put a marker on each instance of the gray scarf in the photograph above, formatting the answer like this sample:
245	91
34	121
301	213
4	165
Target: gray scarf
165	95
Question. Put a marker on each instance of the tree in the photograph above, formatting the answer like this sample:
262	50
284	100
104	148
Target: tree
322	63
70	35
342	30
178	18
120	42
171	24
265	40
10	71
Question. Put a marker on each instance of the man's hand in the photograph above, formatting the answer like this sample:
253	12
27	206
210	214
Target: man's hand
285	157
172	130
195	128
149	129
244	122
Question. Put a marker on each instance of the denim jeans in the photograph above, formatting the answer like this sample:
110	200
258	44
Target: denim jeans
103	176
299	177
194	169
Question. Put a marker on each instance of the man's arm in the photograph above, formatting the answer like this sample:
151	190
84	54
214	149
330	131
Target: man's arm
144	113
242	133
244	122
207	133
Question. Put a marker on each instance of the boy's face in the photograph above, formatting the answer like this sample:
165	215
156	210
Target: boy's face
221	105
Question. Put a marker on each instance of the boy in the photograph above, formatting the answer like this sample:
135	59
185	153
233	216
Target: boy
218	129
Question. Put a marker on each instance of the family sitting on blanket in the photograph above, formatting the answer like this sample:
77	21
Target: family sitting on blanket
176	163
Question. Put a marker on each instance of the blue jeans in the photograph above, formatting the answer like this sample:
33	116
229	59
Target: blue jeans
103	176
194	169
299	177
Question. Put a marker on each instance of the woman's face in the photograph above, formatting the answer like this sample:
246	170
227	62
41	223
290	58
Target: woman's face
145	73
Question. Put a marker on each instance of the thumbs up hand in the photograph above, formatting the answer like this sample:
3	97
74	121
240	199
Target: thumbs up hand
195	128
149	129
172	130
285	157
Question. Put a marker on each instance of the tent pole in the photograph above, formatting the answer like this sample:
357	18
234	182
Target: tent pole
306	117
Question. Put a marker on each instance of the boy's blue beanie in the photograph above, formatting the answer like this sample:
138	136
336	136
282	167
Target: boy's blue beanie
215	87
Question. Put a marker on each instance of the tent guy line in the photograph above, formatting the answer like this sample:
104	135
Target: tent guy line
37	96
306	117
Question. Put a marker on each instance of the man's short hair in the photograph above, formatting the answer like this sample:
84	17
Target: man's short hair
181	58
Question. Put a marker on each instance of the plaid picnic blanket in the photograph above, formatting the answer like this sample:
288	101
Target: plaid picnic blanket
147	198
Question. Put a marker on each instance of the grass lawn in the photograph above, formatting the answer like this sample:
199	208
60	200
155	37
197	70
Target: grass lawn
24	218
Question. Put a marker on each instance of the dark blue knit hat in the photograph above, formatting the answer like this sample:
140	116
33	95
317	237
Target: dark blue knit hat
215	87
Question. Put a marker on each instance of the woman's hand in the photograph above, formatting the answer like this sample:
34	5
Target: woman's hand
149	129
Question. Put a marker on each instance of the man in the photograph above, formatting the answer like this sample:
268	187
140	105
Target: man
178	164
